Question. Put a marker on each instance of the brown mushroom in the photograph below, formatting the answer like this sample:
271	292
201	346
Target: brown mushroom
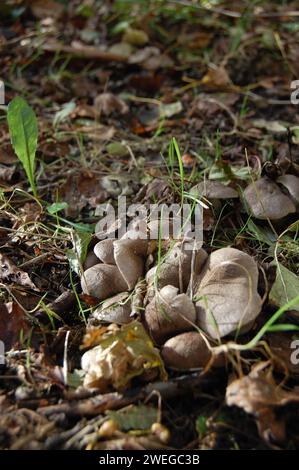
214	190
104	250
266	201
130	258
291	182
186	351
117	309
226	293
90	260
169	313
102	281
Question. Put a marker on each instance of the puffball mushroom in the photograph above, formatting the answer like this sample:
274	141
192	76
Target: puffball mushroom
226	293
266	201
169	313
102	281
186	351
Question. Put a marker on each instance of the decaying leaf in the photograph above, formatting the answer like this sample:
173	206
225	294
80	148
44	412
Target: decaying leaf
9	272
121	355
107	103
134	417
226	293
12	324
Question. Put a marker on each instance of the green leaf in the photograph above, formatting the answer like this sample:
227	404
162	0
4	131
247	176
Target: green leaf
22	124
77	254
285	287
57	207
134	417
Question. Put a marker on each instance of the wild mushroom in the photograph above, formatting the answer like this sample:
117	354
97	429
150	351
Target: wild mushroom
129	257
266	201
169	313
186	351
214	190
175	269
103	281
226	293
117	309
291	182
104	250
90	260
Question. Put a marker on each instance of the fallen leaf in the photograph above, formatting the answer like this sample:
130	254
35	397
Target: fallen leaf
12	323
10	273
285	287
121	355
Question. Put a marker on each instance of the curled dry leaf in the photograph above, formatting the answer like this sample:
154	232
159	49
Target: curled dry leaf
117	309
103	281
226	293
107	103
266	201
214	190
9	272
12	322
168	314
258	390
121	355
186	351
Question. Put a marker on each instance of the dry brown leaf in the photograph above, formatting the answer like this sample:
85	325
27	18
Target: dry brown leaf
12	322
107	103
10	273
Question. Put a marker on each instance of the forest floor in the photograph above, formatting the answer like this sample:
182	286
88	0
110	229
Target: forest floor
146	99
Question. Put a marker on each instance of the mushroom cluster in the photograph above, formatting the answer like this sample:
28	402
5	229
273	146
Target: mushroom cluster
189	299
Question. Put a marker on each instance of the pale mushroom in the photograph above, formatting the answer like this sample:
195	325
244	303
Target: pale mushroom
130	258
175	269
169	313
266	201
117	309
90	260
291	182
104	250
186	351
102	281
226	293
213	190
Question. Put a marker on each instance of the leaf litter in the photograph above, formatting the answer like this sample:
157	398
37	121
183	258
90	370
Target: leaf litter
97	330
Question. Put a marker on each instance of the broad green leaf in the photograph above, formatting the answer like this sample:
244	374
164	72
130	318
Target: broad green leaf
57	207
23	130
134	417
285	287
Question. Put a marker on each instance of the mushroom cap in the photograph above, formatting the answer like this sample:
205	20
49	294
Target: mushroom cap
266	201
214	190
186	351
291	182
102	281
90	260
117	309
227	293
177	266
104	250
169	313
130	259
